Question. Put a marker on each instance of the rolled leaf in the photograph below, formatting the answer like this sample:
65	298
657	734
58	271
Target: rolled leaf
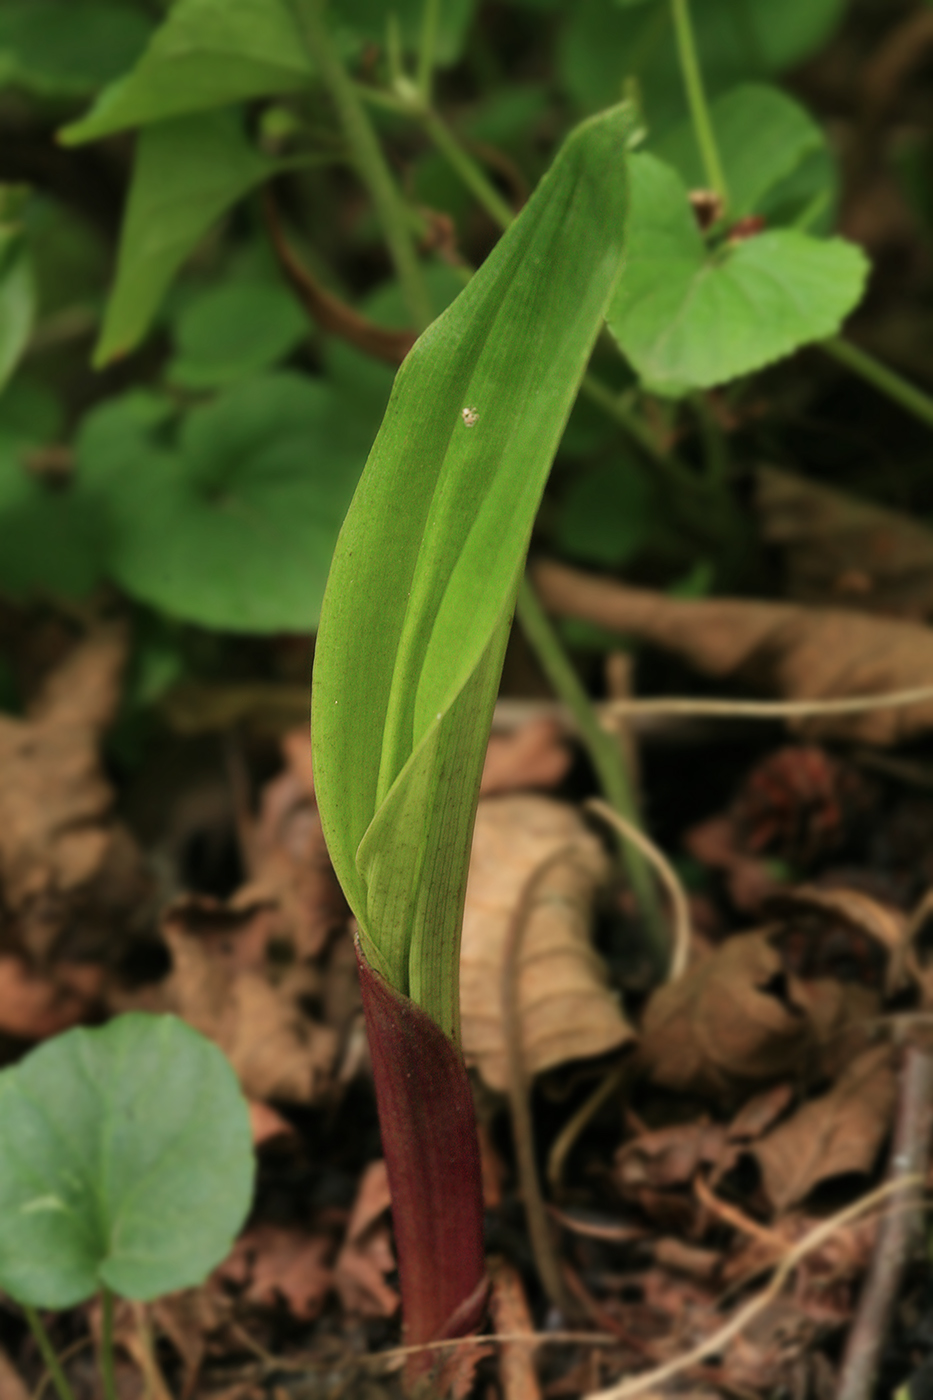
423	583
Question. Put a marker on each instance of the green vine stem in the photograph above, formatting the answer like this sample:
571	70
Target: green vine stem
885	380
106	1345
696	97
427	48
604	753
370	162
53	1365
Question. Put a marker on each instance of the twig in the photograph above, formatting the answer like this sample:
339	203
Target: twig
564	1142
650	1380
738	1219
539	1228
680	910
897	1234
770	709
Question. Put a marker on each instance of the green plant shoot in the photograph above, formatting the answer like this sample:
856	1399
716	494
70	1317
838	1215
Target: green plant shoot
423	584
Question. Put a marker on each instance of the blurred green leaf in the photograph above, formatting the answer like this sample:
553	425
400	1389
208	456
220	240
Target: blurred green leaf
426	573
763	136
609	513
234	330
125	1160
737	41
51	536
68	48
17	300
232	523
188	172
207	53
364	21
689	318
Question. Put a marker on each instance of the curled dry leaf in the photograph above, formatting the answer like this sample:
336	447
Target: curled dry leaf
366	1255
71	877
836	1134
795	652
536	755
839	549
568	1011
843	933
669	1157
741	1018
226	986
273	1265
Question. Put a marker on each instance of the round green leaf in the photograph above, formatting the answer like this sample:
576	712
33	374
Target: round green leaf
68	47
125	1161
688	318
233	331
233	524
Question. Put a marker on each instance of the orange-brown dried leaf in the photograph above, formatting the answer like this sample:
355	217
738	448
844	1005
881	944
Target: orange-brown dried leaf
839	1133
782	649
510	1313
271	1264
12	1385
568	1011
535	755
225	984
669	1157
71	877
840	549
366	1258
34	1005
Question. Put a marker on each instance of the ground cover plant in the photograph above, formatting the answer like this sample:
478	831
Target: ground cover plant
618	1003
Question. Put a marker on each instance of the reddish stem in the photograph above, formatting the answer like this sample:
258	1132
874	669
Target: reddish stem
432	1155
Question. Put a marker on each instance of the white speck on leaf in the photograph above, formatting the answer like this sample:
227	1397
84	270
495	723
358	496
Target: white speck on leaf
469	416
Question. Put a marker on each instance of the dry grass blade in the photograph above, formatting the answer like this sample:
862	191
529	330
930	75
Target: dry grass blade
768	709
680	910
638	1385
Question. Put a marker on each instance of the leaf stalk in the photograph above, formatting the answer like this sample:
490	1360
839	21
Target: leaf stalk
53	1365
696	98
880	377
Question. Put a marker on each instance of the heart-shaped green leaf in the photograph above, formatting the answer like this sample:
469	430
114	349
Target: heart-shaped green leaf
232	522
762	135
59	48
187	173
424	580
689	318
235	330
206	54
125	1160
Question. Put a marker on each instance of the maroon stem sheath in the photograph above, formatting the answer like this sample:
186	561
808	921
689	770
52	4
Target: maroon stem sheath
432	1155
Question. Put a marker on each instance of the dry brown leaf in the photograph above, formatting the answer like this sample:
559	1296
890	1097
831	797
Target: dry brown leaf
781	649
71	878
740	1017
840	1132
536	755
568	1011
840	549
223	985
675	1254
668	1157
366	1255
266	1124
33	1005
837	931
12	1386
508	1307
271	1264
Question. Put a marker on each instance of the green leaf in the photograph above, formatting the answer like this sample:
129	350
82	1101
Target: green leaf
125	1160
737	40
65	48
51	537
364	21
187	174
689	318
425	576
609	514
233	524
17	300
763	137
208	53
235	330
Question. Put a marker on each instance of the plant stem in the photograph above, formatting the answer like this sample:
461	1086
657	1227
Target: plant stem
885	380
370	162
427	48
714	443
48	1354
467	168
603	749
696	97
106	1345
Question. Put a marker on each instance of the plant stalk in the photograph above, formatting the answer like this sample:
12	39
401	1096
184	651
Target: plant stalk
106	1345
696	97
604	752
427	48
370	162
467	168
880	377
53	1365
